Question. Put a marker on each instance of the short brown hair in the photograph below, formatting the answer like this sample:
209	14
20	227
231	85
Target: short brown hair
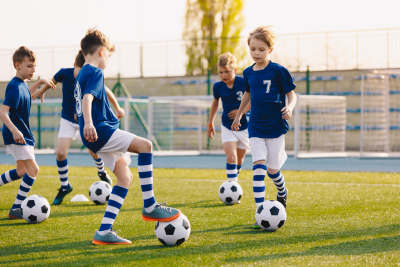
226	59
21	53
265	34
93	40
80	59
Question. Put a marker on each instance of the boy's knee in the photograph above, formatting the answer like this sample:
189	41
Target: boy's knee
33	171
147	147
61	155
21	171
231	159
272	171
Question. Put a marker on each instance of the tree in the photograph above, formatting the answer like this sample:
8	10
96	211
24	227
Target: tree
212	27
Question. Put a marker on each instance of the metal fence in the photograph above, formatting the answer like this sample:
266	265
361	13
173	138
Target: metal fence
367	49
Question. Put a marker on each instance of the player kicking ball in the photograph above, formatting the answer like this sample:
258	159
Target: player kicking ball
17	134
99	129
267	86
230	90
69	128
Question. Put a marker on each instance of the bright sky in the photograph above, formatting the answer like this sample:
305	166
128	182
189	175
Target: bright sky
44	23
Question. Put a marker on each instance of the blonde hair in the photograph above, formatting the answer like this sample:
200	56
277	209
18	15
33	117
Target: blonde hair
21	53
226	59
265	34
93	40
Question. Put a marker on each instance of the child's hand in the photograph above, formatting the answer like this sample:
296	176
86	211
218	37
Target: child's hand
89	132
232	114
39	93
48	83
18	137
236	124
286	113
211	131
120	113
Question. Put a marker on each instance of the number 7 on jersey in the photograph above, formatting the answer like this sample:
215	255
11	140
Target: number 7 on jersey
268	83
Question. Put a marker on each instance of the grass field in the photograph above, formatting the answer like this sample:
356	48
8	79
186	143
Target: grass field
334	219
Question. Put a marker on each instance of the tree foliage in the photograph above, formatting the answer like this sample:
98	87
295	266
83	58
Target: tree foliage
212	27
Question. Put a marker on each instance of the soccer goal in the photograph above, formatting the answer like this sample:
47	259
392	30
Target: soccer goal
380	114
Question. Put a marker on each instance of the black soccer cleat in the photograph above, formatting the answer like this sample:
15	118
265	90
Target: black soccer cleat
105	177
282	200
61	194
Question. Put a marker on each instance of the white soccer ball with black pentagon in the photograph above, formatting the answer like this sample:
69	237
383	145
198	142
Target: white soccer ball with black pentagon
99	192
230	192
35	209
271	215
173	233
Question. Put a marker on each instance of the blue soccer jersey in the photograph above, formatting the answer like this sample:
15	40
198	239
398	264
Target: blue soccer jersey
90	80
231	99
19	99
268	89
66	77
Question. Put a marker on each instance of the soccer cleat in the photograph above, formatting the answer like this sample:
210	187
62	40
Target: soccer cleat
161	213
61	194
15	214
105	177
282	200
111	238
255	226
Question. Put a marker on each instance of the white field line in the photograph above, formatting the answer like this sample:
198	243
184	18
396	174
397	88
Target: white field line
209	180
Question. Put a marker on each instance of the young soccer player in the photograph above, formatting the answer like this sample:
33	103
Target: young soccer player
17	134
230	90
100	133
267	86
69	128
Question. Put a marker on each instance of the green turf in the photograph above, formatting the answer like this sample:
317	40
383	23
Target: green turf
330	223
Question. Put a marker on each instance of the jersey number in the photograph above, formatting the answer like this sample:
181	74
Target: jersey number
268	83
240	95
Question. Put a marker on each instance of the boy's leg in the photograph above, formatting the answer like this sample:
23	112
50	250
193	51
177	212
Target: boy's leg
241	153
279	181
62	166
13	175
103	175
152	211
231	160
106	235
32	170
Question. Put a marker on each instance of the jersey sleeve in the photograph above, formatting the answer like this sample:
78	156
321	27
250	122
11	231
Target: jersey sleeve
95	84
285	80
59	76
12	96
215	92
246	83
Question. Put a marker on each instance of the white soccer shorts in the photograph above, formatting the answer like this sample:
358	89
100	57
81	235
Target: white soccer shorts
21	152
241	137
272	150
69	130
116	147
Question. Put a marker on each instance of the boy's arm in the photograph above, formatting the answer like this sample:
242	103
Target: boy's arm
287	111
213	113
119	112
36	85
89	132
40	92
243	105
232	114
17	135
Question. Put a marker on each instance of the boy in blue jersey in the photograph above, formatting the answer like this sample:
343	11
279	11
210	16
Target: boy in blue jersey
99	128
17	134
267	86
230	90
69	128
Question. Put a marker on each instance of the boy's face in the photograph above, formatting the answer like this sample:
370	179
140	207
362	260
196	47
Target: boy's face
227	73
104	55
26	68
259	50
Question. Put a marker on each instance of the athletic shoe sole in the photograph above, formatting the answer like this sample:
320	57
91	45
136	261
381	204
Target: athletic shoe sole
13	217
96	242
151	219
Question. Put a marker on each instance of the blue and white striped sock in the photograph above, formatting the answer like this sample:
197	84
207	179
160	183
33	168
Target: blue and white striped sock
279	182
239	168
231	172
9	176
62	167
115	202
100	165
24	189
259	172
145	169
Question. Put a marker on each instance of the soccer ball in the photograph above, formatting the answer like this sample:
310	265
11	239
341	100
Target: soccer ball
99	192
35	209
230	192
173	233
271	215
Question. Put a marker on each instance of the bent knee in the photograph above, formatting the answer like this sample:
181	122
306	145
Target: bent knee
33	171
146	147
61	155
231	159
21	171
